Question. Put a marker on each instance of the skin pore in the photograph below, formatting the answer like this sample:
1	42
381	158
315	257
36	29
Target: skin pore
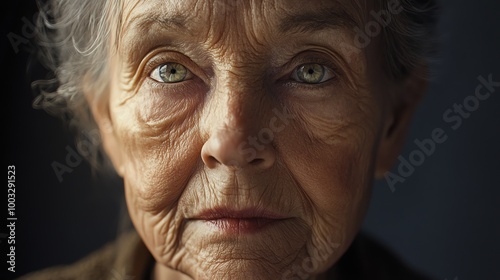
253	108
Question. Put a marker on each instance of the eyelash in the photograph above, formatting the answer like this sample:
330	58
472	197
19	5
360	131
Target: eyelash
299	61
183	89
327	72
156	62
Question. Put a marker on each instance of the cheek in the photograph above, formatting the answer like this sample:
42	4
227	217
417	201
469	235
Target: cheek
158	143
331	147
330	152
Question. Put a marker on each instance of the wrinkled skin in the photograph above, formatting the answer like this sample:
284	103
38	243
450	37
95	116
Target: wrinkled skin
241	132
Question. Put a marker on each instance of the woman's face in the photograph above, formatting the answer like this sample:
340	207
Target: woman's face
247	133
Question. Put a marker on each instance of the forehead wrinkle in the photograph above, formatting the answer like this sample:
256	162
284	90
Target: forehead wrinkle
176	21
238	27
144	15
255	17
142	23
316	21
250	32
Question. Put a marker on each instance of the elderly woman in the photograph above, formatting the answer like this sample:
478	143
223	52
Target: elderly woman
248	134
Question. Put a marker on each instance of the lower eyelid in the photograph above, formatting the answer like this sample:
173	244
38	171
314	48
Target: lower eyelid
177	89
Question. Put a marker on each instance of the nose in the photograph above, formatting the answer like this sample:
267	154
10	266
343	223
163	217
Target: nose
235	122
237	149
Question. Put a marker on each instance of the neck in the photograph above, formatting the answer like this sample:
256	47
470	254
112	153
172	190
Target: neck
161	272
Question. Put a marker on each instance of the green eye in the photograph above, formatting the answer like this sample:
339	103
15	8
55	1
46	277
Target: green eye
170	73
312	73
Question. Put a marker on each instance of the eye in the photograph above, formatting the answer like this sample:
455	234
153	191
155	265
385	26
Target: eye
312	73
170	72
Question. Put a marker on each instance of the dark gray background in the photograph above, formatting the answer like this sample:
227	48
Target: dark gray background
443	219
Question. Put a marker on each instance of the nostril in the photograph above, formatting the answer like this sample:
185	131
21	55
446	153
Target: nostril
210	161
256	161
213	159
223	148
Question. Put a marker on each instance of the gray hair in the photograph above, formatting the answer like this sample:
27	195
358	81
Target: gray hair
72	39
73	44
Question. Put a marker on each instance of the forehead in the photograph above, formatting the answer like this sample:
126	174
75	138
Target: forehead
234	21
214	13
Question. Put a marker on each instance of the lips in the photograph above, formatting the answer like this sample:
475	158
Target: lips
240	221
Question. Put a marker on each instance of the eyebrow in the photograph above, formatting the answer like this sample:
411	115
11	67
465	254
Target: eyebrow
324	19
310	22
295	23
142	24
176	21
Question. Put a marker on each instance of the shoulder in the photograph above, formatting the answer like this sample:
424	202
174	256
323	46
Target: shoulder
369	259
126	257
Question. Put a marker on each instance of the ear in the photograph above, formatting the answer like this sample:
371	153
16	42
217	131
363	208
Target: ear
99	107
405	98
